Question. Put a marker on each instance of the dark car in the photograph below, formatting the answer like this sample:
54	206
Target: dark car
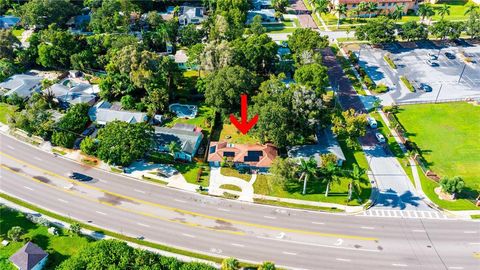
79	177
425	87
450	55
88	131
76	144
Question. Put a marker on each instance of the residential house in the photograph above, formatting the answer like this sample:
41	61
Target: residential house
29	257
188	138
251	156
191	15
7	22
68	92
262	4
21	84
326	144
180	58
104	112
384	6
268	15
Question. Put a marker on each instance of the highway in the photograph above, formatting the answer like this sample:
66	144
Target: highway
291	238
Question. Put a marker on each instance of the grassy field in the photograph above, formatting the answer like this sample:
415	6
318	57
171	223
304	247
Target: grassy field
59	247
190	172
5	111
447	134
266	184
231	134
234	173
18	32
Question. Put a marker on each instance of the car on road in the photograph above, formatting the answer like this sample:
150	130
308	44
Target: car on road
431	63
432	56
380	137
425	87
79	177
88	131
372	122
76	144
450	55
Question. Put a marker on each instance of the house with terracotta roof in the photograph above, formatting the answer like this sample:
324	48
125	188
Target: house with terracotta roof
384	6
253	156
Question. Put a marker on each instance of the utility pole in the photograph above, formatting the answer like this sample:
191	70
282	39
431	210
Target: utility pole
438	94
461	74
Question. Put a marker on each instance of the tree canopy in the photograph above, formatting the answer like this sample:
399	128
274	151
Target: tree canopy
71	125
376	31
42	13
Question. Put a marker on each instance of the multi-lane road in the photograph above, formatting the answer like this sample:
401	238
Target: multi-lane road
291	238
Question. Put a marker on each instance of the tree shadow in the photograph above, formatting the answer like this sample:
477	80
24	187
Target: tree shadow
391	198
12	218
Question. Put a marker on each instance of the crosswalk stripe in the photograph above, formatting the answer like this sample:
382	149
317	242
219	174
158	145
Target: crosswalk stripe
410	214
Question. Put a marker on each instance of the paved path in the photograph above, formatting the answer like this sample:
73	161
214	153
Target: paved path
393	187
303	14
217	180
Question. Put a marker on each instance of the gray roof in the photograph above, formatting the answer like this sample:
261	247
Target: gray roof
191	14
105	112
185	139
73	93
327	143
186	127
23	85
28	256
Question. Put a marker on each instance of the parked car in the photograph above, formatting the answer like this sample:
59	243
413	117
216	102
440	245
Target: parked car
380	137
79	177
372	122
425	87
432	56
76	144
88	131
450	55
431	63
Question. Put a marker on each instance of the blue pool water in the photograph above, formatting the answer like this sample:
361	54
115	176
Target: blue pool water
183	110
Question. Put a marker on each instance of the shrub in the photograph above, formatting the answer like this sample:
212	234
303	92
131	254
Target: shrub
390	109
230	264
199	174
452	185
15	233
381	88
161	158
407	83
389	61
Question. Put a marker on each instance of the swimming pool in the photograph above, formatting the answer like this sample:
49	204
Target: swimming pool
184	110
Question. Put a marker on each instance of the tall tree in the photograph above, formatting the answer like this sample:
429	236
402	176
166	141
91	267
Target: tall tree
42	13
444	10
330	174
341	10
376	31
349	125
372	8
471	9
473	25
414	31
398	12
256	26
70	125
356	176
113	16
56	48
257	53
8	44
425	11
314	76
307	169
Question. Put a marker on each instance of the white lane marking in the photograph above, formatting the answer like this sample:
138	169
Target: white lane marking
29	188
418	230
342	260
399	264
104	181
455	267
139	191
62	200
188	235
11	147
289	253
269	217
318	245
237	245
177	200
143	225
469	231
37	158
367	228
474	243
101	213
223	209
339	242
318	223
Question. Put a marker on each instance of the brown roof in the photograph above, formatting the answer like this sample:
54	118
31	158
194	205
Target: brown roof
376	1
256	155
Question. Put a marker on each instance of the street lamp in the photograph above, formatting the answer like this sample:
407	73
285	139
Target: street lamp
461	74
438	94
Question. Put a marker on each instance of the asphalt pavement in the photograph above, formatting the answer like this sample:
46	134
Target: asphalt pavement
291	238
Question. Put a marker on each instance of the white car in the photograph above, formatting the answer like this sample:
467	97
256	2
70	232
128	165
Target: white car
380	137
372	122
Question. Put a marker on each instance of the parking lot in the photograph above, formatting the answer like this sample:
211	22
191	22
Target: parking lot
443	77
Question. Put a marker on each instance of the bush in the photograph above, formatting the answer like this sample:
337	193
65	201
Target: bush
230	264
199	175
381	88
15	233
389	61
452	185
161	158
407	83
390	109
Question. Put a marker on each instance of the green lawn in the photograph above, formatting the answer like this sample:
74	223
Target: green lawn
18	32
59	247
235	173
231	134
447	134
5	111
204	119
190	172
265	184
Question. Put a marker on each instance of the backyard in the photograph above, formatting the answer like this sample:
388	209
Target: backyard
266	184
231	134
447	135
204	119
5	111
59	247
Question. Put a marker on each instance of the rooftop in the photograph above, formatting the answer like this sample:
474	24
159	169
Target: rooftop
257	155
71	92
105	112
28	256
185	135
21	84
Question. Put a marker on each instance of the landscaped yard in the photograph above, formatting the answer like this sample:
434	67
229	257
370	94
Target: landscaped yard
59	247
204	119
18	32
231	134
5	111
266	184
190	172
235	173
448	136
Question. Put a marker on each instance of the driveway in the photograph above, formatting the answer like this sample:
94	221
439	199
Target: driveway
303	14
217	180
393	186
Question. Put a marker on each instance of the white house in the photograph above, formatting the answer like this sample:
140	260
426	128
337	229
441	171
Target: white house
191	15
104	112
21	84
69	92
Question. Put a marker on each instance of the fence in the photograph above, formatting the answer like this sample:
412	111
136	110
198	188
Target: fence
467	99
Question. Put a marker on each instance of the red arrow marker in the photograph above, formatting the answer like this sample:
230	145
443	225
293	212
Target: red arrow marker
245	125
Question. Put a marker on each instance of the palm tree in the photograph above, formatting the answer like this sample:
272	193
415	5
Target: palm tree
444	10
308	168
342	11
471	9
320	6
355	179
397	14
363	7
425	11
331	174
173	147
354	12
372	8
